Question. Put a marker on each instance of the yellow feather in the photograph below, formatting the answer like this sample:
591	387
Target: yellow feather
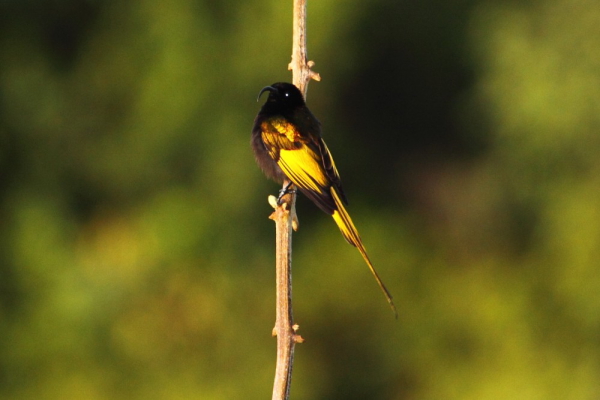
303	168
282	127
344	222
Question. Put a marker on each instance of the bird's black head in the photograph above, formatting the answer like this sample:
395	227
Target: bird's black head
283	95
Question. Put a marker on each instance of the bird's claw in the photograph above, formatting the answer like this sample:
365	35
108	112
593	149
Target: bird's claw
285	190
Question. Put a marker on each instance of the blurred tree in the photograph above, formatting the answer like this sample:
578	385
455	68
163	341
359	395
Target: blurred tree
136	258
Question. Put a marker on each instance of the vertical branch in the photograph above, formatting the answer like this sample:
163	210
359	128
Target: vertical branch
300	66
286	220
284	325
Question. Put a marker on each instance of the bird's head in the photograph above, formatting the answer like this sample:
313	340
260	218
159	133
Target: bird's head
284	95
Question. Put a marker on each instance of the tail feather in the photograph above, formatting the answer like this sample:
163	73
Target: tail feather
344	222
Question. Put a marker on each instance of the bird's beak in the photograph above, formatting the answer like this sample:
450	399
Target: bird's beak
266	89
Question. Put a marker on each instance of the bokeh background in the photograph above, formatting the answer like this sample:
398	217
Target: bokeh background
136	257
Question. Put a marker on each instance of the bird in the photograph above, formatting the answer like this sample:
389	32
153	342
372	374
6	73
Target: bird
288	147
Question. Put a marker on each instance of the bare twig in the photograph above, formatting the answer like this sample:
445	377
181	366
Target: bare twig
300	66
286	220
285	329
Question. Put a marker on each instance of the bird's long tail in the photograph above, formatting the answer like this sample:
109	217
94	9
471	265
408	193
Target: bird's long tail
344	222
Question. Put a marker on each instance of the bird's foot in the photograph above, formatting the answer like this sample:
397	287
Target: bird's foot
285	190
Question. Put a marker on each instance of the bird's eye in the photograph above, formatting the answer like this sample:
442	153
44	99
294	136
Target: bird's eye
287	94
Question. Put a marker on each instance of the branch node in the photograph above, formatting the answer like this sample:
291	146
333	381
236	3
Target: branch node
273	201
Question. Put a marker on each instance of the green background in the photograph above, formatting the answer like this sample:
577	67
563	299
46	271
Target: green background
136	257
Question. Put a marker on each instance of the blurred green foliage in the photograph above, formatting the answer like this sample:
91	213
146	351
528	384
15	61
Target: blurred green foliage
136	257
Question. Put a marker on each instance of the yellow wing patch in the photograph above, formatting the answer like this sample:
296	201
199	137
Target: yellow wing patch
274	140
282	127
302	164
303	167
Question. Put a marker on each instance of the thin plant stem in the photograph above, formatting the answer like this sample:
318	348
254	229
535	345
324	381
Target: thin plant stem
286	221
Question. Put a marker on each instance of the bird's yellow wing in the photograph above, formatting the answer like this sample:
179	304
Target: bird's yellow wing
304	167
278	134
301	160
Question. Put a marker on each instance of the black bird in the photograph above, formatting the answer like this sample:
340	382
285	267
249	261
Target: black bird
287	144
